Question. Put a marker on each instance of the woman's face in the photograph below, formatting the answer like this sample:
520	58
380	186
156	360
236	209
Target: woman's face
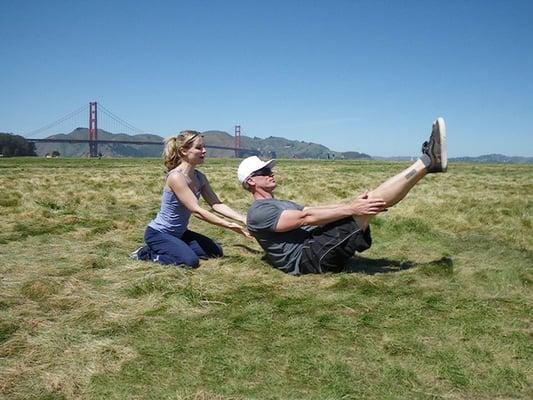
196	153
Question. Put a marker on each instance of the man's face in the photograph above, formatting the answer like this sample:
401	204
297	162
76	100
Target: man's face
263	179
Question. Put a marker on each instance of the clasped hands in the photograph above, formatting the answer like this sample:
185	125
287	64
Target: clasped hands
364	205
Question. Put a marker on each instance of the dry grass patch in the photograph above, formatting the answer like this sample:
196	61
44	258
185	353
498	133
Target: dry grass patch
439	307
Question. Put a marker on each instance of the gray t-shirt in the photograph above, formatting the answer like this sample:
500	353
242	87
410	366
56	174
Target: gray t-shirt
283	249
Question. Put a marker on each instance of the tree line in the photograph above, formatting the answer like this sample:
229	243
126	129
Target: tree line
15	146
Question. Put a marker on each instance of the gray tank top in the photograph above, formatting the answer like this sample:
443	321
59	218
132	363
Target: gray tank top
173	217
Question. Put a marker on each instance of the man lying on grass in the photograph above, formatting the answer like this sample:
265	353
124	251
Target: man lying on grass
306	240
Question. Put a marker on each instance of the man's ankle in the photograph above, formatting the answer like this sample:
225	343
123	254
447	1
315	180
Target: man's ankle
425	160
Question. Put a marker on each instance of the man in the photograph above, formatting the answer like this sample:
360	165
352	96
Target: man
302	240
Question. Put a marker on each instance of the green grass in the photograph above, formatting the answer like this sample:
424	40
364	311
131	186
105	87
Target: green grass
438	308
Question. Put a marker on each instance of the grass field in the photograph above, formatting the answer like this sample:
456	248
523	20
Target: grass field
439	308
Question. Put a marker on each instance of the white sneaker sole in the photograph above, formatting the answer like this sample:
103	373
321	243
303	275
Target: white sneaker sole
443	143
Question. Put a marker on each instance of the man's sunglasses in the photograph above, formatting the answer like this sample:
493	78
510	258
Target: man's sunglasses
262	172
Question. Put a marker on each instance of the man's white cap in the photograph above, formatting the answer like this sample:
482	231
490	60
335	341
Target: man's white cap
251	164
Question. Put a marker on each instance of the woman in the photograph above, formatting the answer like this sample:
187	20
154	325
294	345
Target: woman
168	241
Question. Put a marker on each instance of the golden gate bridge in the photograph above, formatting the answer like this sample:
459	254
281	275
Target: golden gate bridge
93	141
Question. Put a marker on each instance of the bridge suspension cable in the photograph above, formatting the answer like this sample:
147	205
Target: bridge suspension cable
93	132
57	122
119	120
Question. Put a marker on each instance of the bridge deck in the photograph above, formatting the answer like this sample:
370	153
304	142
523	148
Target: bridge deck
99	141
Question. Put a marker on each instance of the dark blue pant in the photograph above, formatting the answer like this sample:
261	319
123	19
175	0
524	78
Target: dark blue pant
187	250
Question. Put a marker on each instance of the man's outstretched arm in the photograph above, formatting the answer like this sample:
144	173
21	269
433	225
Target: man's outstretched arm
314	216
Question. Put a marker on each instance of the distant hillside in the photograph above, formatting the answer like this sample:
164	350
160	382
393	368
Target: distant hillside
276	147
15	146
493	159
485	159
107	150
269	147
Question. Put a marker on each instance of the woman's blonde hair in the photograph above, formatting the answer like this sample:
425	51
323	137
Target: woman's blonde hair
175	145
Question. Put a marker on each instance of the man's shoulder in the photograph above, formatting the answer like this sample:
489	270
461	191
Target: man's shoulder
263	214
269	210
264	202
261	206
274	204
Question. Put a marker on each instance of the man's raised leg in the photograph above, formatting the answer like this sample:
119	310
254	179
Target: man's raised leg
434	159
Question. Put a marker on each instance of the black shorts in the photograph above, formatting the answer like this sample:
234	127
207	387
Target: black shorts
332	245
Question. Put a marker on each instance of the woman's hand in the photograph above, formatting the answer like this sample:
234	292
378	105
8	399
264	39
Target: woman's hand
239	229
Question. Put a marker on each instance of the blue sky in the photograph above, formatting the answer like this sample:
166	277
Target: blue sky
367	76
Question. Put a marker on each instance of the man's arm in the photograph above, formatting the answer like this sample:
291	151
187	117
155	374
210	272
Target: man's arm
314	216
327	206
363	195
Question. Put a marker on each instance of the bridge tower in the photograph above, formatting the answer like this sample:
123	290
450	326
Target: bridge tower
237	141
93	129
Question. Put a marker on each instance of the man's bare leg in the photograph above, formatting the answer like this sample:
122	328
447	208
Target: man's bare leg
434	159
394	189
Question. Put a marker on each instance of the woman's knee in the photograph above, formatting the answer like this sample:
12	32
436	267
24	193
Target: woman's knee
203	246
208	250
218	252
188	260
182	258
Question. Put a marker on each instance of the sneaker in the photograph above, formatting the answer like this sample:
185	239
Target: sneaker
437	147
139	253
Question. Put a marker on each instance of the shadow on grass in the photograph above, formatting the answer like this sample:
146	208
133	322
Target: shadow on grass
248	249
371	266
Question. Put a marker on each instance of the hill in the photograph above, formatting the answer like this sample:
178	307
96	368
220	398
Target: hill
483	159
15	146
108	150
274	147
493	159
269	147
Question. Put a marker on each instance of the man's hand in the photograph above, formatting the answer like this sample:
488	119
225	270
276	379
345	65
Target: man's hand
363	205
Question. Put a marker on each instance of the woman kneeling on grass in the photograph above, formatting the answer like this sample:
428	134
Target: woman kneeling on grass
168	241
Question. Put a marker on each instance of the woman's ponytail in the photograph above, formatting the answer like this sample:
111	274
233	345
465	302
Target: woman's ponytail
175	145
